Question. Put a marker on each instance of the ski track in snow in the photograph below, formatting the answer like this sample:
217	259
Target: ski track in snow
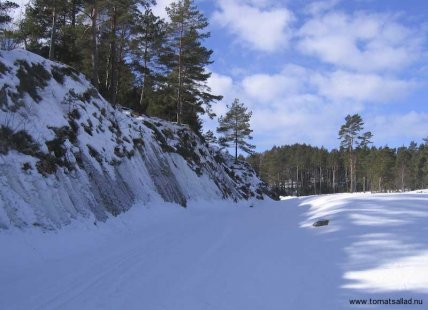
219	255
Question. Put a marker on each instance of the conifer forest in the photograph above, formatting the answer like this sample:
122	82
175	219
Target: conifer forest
302	169
158	67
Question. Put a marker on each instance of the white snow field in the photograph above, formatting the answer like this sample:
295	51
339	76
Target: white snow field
219	255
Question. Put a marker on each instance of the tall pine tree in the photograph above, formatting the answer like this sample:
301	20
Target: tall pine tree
185	60
5	8
348	135
147	39
349	139
235	128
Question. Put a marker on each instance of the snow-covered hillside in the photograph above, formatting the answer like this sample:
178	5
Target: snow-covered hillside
207	256
65	153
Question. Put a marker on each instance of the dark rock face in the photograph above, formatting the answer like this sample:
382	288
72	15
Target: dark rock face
66	152
321	223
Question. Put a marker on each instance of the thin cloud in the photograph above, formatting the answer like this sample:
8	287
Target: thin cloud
318	7
254	24
406	127
159	8
362	41
367	88
302	104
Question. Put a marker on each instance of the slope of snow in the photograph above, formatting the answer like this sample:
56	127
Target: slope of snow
66	153
222	256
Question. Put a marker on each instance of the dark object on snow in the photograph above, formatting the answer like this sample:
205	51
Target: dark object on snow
321	223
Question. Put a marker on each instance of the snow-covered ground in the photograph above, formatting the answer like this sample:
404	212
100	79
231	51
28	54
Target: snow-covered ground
227	256
67	154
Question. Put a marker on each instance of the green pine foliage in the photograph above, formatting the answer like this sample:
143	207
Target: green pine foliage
159	67
185	59
210	138
302	169
5	7
148	36
134	58
349	135
235	128
7	36
349	131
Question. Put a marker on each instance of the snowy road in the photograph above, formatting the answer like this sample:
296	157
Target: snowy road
227	257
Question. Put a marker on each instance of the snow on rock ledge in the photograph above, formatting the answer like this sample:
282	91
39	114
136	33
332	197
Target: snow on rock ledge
65	152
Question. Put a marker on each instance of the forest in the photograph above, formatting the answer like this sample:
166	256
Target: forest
134	58
302	169
355	166
158	67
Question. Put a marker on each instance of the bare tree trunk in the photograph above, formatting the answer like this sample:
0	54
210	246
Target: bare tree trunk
354	161
73	13
180	78
107	81
53	30
120	57
351	165
346	178
143	88
315	181
364	184
334	181
94	16
292	183
113	84
297	182
236	139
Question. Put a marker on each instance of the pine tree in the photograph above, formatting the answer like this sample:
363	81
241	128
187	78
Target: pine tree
210	137
349	136
119	13
334	164
383	168
121	17
43	20
148	36
45	28
5	8
403	163
235	128
362	154
91	10
185	60
365	139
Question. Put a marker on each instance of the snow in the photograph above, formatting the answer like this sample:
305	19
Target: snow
222	255
105	159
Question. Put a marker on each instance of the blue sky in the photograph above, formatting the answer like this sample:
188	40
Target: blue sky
301	66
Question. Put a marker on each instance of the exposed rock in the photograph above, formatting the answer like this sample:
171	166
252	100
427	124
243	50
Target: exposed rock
94	160
321	223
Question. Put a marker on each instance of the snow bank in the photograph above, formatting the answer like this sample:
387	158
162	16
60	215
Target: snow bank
66	153
382	236
222	255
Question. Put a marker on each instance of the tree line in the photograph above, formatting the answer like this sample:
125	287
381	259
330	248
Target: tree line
134	58
355	166
158	67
